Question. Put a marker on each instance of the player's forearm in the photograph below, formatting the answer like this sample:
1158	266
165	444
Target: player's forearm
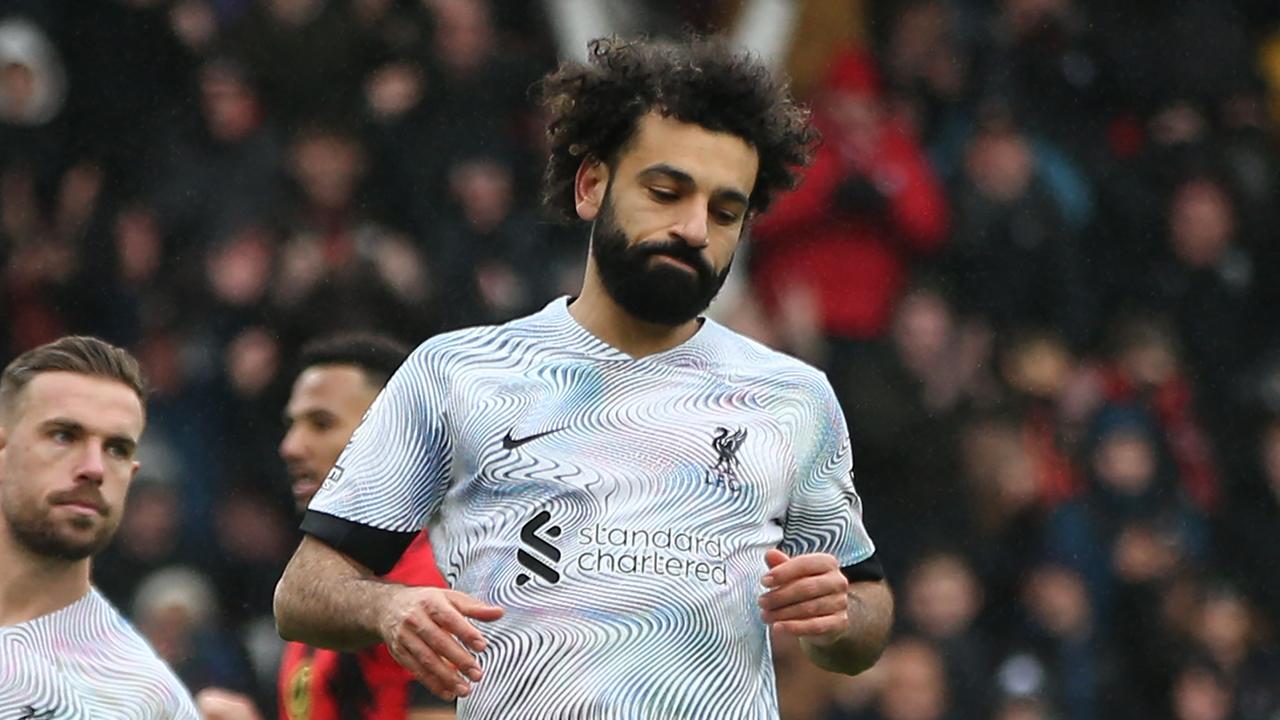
326	600
870	622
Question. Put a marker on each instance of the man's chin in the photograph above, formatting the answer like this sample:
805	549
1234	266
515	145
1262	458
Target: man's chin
71	543
666	301
302	500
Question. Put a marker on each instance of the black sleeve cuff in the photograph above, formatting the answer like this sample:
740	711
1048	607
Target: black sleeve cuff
865	571
378	550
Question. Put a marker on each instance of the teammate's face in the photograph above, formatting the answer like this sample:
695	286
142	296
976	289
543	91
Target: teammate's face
66	460
326	405
668	217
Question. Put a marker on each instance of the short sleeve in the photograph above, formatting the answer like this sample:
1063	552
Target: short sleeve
824	514
393	473
180	706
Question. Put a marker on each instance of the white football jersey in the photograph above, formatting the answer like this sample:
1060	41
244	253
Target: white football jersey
85	662
618	508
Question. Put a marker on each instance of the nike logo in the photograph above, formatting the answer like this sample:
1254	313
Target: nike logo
510	443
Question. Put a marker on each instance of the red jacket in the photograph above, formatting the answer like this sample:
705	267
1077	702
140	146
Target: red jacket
319	684
855	263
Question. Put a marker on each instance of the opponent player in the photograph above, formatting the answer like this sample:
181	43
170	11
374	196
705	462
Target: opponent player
71	415
339	379
623	494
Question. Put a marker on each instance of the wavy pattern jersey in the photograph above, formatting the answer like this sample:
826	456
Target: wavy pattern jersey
85	662
618	508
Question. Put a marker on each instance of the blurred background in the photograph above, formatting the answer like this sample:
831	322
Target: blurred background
1037	255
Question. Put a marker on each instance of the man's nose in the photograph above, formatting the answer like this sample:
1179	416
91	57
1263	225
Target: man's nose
92	465
290	445
692	225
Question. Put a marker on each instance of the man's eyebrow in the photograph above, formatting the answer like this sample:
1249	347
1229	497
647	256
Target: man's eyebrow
124	440
310	414
62	423
683	178
671	173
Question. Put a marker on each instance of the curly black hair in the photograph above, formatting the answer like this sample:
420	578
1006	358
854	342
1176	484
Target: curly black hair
595	107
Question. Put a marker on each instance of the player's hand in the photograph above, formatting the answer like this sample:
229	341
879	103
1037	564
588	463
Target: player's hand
218	704
808	596
428	631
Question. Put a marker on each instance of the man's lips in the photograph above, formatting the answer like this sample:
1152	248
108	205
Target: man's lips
86	506
678	262
304	483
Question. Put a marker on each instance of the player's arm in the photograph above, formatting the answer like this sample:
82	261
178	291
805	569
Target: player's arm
843	624
388	480
328	599
858	646
824	582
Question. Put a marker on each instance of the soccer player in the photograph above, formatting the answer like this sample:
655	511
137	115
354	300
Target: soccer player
71	414
340	377
623	495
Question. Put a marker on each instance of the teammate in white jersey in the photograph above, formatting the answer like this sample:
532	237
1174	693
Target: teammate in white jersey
623	495
71	414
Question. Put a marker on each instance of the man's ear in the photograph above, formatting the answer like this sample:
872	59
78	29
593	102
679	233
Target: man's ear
589	187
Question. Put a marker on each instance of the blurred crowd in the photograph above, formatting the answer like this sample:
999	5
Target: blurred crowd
1035	254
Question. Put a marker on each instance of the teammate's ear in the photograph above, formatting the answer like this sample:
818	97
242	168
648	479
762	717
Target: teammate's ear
589	186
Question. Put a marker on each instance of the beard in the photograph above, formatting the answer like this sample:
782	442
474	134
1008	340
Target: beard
34	528
655	292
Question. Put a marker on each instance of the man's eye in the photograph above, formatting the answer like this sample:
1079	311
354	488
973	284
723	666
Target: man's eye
726	217
61	436
118	451
662	194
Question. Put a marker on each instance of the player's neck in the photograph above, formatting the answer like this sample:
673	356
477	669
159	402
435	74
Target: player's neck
32	586
598	313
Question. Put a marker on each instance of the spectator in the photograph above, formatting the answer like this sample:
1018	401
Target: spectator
214	176
1063	636
494	260
1201	693
177	613
1037	368
1045	58
914	686
843	243
33	93
1227	635
1146	369
942	601
1004	512
308	57
122	99
149	539
344	263
918	382
1132	528
1014	259
1204	278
